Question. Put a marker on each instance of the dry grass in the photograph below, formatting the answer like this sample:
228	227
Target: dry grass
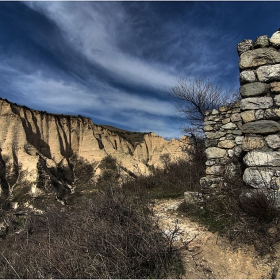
110	236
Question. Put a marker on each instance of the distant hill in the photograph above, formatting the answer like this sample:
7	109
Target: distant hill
52	154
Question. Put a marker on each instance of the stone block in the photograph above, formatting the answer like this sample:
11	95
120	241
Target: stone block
211	142
209	122
261	127
273	141
254	89
259	158
214	170
273	113
227	144
215	135
259	178
277	100
275	87
255	103
269	73
235	117
248	116
250	143
237	151
239	139
247	76
226	120
275	39
244	46
214	152
205	182
229	125
210	162
223	109
230	153
258	57
259	114
208	128
236	132
261	42
231	171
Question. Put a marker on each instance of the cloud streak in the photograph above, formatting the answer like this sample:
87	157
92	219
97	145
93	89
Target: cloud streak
110	60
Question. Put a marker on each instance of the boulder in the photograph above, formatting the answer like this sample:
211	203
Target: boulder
258	57
254	89
261	127
269	73
253	103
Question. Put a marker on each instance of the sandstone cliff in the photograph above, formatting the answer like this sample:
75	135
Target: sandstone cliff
39	151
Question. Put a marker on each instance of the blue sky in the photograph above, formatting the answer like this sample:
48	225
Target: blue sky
110	60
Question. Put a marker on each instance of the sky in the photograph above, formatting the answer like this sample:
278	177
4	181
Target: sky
110	61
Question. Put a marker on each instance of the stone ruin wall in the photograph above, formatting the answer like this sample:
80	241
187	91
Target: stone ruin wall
244	139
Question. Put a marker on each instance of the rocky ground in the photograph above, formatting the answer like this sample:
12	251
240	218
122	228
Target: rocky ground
208	255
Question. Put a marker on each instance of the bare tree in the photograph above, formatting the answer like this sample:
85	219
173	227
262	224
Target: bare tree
196	96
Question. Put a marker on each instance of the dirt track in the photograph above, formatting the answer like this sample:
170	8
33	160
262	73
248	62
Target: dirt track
207	255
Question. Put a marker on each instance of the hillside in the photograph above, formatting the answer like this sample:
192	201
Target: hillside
49	153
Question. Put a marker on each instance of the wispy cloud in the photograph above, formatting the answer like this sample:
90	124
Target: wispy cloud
111	60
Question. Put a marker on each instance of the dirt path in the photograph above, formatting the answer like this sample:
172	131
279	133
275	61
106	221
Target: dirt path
208	256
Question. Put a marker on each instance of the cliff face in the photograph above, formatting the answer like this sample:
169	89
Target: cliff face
39	151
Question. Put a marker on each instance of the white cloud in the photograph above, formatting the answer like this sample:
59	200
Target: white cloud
139	113
57	94
92	30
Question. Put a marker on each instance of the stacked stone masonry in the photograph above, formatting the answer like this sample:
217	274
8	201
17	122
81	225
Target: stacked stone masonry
244	139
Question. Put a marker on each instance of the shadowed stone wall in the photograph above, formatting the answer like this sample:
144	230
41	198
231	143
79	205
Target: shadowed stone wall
244	139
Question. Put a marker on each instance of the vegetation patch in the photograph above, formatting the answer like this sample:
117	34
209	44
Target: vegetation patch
112	235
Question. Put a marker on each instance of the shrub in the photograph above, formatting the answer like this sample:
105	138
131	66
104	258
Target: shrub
257	204
180	176
112	235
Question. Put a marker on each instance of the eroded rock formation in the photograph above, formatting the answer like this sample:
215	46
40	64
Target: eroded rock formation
39	151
